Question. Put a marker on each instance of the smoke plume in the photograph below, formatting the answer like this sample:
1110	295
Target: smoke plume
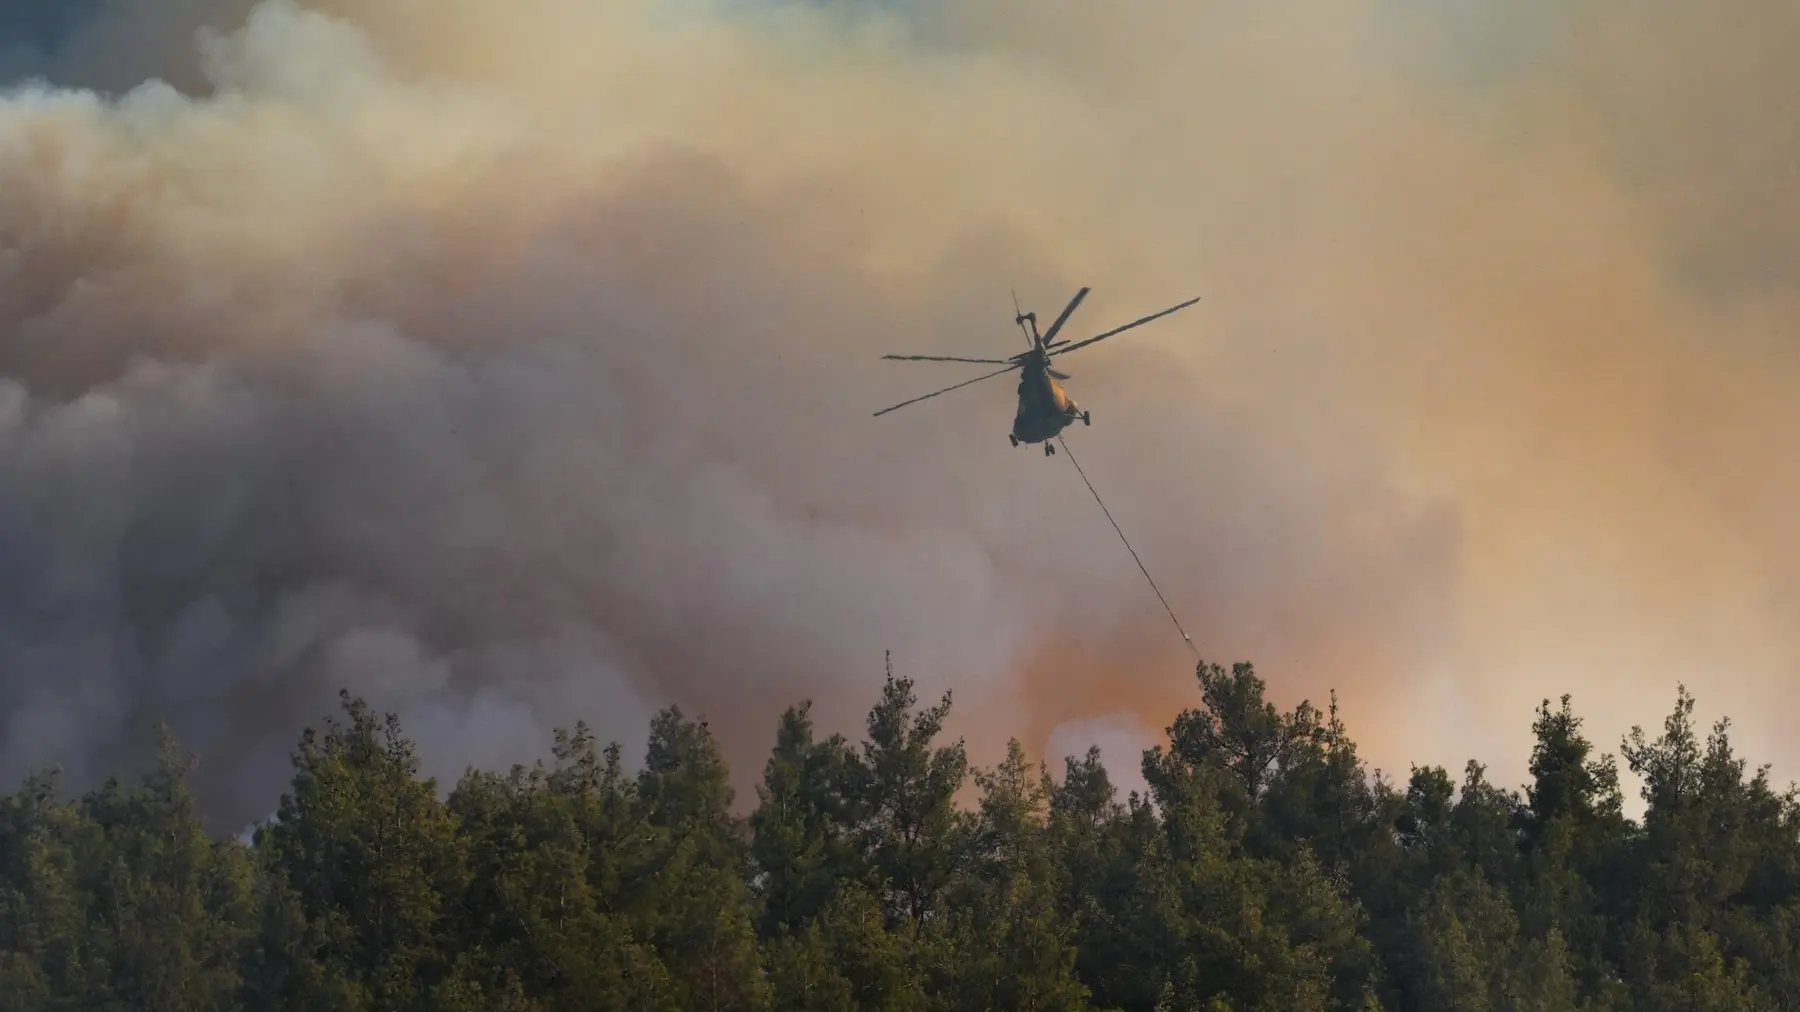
514	363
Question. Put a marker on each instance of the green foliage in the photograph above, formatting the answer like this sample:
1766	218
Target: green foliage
539	919
362	866
904	789
1267	870
801	846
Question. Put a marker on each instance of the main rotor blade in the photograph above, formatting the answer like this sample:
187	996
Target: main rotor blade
1128	326
946	358
946	390
1050	335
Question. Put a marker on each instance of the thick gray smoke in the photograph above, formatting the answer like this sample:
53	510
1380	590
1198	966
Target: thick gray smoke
276	422
513	364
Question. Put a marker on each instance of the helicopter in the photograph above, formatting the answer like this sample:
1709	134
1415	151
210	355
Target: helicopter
1045	408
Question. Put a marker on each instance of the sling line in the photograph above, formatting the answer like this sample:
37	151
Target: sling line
1134	555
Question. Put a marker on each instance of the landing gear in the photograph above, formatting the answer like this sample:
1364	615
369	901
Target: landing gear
1049	449
1015	439
1087	418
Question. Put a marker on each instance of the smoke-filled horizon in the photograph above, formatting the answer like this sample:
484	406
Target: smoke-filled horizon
513	364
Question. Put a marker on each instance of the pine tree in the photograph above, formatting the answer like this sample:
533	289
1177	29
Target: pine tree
361	865
1108	854
801	830
696	908
1016	949
1717	867
1266	870
804	975
49	951
532	918
1574	840
171	909
905	790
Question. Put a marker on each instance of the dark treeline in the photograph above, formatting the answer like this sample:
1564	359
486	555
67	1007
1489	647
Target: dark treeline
1267	871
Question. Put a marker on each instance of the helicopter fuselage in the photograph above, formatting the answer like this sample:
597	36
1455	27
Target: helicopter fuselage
1045	408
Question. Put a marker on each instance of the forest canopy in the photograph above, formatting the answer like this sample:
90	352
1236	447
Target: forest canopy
1268	869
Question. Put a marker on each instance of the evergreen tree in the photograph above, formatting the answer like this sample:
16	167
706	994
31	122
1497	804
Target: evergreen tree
361	865
886	966
801	829
1015	948
1575	842
1715	874
1266	870
171	909
1108	883
695	904
51	956
537	925
905	791
804	974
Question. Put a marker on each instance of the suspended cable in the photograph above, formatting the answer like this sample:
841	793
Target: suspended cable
1134	555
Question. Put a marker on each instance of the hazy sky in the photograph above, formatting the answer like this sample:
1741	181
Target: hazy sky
514	363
